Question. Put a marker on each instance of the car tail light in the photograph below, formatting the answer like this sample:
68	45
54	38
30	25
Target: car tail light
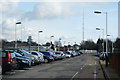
9	57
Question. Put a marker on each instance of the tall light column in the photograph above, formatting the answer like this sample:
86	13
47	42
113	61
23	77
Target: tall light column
112	43
16	33
38	39
98	12
103	36
83	31
51	38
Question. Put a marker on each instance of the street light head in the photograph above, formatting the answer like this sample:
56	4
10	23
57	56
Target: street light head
40	31
98	12
97	28
18	22
52	36
108	35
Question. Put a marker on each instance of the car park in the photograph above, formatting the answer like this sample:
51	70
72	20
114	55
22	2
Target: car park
9	61
25	59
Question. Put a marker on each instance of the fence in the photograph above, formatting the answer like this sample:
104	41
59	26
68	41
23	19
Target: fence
114	60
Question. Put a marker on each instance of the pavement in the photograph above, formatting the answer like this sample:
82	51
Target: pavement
109	73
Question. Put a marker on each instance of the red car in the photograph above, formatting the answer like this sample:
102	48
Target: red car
8	61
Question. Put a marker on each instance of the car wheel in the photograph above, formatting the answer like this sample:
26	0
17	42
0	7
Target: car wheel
20	66
46	61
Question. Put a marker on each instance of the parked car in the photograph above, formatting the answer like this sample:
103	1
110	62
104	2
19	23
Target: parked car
73	54
27	54
47	56
39	54
22	61
60	54
97	54
102	56
78	53
52	53
9	61
23	53
67	54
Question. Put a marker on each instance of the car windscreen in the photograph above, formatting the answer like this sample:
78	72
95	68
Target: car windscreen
17	54
41	54
34	53
25	52
51	53
46	53
3	54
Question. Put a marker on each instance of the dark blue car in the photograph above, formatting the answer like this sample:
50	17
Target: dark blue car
47	56
23	61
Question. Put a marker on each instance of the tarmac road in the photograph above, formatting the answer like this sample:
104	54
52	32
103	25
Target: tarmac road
83	66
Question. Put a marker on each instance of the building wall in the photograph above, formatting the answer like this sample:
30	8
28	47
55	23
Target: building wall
119	19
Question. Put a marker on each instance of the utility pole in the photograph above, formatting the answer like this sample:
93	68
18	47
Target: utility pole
83	30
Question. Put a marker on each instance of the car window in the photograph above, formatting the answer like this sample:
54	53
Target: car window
18	51
12	55
57	53
25	52
34	53
3	54
51	53
17	54
41	54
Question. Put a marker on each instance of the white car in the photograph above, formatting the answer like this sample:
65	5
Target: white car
39	55
67	54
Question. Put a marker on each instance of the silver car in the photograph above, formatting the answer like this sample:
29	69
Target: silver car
39	56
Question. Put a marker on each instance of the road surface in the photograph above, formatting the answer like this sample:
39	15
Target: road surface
83	66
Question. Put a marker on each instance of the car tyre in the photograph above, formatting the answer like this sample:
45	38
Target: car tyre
46	61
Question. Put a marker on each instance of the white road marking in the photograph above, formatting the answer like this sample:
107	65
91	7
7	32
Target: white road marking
20	70
95	72
74	75
90	64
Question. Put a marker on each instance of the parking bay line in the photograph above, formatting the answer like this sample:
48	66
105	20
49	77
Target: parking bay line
74	75
78	72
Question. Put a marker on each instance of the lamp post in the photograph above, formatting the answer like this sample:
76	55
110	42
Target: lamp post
51	38
112	43
103	36
68	46
38	38
16	33
98	12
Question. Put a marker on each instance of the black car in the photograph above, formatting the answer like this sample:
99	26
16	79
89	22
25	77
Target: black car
22	61
47	56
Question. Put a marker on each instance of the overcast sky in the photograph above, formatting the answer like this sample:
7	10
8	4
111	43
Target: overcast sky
59	18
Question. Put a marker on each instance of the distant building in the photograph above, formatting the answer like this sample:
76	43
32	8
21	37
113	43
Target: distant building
29	39
119	19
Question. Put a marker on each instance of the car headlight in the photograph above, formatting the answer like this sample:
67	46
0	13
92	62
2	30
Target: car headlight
25	61
32	58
